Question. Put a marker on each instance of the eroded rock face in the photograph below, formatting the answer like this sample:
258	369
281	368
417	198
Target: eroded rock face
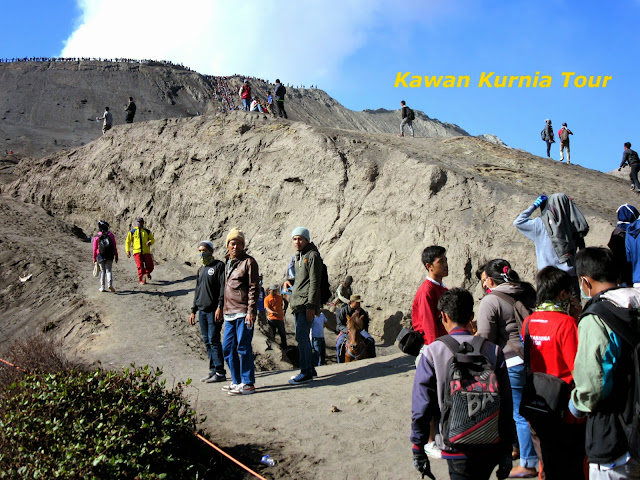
371	202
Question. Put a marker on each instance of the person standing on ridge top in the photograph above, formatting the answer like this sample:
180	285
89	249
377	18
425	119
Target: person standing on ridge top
208	301
131	110
547	136
631	157
245	94
140	240
108	120
407	119
280	92
564	133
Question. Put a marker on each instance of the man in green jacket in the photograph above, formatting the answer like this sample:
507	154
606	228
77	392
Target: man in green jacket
305	298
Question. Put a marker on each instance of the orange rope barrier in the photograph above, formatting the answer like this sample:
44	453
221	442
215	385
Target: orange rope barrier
12	365
230	457
197	435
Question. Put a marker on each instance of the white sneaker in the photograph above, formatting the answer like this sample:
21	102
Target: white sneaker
243	389
101	289
231	386
432	450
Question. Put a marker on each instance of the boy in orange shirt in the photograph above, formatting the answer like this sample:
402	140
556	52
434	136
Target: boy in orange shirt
275	317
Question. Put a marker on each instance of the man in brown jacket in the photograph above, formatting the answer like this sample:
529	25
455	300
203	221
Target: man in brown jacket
240	306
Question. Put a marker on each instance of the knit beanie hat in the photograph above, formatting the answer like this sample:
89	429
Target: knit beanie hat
139	221
206	244
235	234
301	231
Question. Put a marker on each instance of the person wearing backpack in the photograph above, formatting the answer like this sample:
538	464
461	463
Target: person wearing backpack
105	251
139	240
606	370
550	334
460	411
407	118
547	136
279	93
564	133
500	314
305	300
630	157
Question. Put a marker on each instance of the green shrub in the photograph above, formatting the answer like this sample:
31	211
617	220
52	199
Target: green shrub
100	424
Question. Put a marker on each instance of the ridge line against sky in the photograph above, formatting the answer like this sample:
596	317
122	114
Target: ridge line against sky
355	49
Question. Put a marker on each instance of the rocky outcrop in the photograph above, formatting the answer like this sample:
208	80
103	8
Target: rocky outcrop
371	202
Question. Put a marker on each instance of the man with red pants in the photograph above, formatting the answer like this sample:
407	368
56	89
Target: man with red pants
140	240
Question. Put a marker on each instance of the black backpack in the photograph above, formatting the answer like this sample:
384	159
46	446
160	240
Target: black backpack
105	247
543	134
471	407
410	115
625	322
325	288
410	341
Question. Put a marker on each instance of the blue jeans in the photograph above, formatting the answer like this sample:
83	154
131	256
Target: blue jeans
246	103
236	347
303	327
319	351
528	457
210	330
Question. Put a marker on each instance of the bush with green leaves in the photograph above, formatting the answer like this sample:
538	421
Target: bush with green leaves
100	424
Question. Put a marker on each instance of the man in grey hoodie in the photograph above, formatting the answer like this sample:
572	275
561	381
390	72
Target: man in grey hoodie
305	298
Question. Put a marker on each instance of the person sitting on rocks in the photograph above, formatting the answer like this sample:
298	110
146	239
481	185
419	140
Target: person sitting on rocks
342	329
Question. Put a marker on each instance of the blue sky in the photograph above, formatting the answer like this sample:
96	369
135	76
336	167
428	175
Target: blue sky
354	49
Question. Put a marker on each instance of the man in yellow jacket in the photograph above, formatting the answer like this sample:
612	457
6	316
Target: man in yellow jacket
140	240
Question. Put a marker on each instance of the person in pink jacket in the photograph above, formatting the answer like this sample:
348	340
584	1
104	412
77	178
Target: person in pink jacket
105	252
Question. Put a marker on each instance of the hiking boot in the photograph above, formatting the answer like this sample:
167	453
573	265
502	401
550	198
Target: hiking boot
231	386
112	290
204	379
243	389
148	276
300	379
432	450
215	378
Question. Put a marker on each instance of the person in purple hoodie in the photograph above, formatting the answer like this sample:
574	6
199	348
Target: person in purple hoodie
105	252
430	385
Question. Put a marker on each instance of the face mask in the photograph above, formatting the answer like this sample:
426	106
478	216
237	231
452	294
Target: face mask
206	257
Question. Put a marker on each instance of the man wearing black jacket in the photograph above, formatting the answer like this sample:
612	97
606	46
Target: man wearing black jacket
280	92
631	157
131	110
208	301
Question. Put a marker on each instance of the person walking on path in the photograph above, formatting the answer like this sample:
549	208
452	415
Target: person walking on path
432	390
105	251
241	291
604	373
564	133
305	298
630	157
245	94
280	92
108	120
131	110
407	118
140	240
547	136
208	300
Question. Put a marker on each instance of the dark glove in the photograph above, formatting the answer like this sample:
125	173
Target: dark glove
421	462
539	200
